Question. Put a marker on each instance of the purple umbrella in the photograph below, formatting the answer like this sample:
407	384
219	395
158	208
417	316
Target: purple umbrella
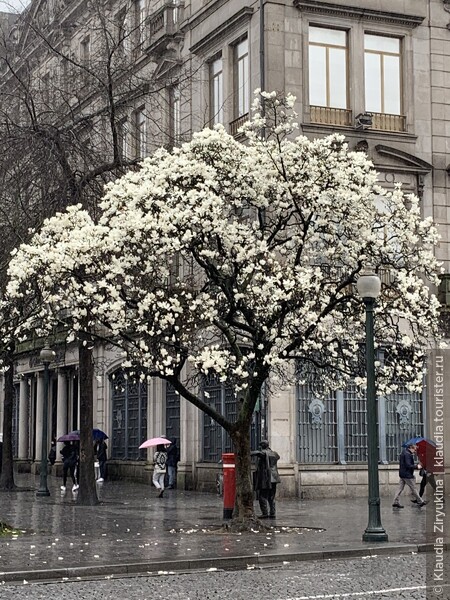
74	436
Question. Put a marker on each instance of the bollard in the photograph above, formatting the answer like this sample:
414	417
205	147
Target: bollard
229	484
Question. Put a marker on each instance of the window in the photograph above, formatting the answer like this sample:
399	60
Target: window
85	50
141	133
242	83
175	116
382	74
139	21
328	76
45	87
129	417
382	64
327	67
216	91
122	31
123	139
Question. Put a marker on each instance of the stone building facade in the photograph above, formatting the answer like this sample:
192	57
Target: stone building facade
380	75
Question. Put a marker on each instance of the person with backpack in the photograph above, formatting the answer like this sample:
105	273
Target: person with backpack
159	468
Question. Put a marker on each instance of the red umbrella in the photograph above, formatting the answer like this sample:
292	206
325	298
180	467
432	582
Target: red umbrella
155	442
426	451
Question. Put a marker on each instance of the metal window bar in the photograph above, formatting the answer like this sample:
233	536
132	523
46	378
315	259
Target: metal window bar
15	421
355	424
129	408
404	420
172	412
317	426
212	432
322	422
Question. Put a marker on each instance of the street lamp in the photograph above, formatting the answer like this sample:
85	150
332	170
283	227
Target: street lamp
369	286
46	355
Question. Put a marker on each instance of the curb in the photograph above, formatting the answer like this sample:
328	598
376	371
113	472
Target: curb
159	567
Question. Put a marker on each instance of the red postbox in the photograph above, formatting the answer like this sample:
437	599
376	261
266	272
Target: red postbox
229	484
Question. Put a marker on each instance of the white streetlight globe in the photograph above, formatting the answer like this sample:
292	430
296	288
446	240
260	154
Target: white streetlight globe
46	355
368	285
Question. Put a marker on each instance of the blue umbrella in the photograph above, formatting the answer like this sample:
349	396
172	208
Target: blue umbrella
416	440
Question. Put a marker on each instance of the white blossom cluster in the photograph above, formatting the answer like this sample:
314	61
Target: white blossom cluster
238	257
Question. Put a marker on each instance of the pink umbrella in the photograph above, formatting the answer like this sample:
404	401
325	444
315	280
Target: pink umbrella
155	442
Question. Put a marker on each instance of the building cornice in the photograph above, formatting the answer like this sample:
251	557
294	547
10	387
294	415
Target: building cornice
354	12
233	23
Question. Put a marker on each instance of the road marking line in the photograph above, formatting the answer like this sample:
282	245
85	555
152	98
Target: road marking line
354	594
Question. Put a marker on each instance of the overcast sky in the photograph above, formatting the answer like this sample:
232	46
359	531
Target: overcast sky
13	5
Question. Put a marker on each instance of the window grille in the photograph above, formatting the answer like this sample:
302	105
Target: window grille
172	413
129	414
319	421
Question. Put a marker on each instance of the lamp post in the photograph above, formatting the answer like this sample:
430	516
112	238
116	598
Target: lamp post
46	355
369	286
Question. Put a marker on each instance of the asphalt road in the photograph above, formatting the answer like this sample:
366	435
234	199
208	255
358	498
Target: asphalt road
397	577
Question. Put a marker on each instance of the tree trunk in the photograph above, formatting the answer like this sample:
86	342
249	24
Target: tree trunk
87	494
7	474
244	486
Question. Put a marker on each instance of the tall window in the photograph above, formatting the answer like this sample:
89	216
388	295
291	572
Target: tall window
141	133
382	74
216	91
328	79
123	139
175	115
129	417
242	79
123	38
139	21
85	50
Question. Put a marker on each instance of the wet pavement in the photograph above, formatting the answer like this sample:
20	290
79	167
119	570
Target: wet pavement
134	531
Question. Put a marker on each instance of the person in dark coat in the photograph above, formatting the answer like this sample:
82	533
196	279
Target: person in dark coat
70	459
427	477
267	478
100	451
52	453
173	457
406	473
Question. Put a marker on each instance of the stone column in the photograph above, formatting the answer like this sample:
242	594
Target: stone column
24	441
39	415
61	406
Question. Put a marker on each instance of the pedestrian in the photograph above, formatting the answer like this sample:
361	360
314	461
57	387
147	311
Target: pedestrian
52	453
159	468
100	451
427	477
70	459
173	457
406	473
267	478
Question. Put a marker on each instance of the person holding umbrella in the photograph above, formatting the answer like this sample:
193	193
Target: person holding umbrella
100	448
159	468
406	473
70	459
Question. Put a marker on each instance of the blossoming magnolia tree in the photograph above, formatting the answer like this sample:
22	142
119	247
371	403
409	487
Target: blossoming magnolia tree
240	261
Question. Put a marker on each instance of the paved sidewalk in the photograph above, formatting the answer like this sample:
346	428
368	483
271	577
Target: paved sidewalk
134	531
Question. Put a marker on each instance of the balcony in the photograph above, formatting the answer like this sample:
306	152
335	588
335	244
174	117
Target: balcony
386	122
236	124
164	27
325	115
